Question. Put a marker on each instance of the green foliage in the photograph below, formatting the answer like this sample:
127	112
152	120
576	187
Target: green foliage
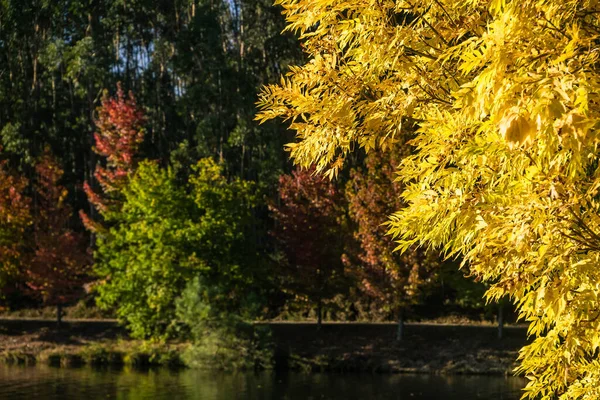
222	339
165	234
231	347
13	141
141	255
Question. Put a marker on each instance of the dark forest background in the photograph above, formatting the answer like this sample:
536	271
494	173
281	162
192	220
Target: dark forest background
278	243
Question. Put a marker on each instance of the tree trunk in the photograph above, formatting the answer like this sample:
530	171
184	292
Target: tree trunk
400	329
319	313
500	319
59	314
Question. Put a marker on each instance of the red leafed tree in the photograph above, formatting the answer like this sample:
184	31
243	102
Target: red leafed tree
58	262
309	230
119	134
15	218
391	279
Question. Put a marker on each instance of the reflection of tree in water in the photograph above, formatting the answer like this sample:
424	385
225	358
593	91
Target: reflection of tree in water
41	382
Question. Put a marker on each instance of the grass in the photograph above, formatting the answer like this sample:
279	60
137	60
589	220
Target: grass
18	357
122	353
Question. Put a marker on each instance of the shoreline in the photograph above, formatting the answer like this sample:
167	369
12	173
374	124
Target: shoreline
439	349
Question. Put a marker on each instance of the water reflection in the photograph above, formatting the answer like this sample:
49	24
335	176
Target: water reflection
40	382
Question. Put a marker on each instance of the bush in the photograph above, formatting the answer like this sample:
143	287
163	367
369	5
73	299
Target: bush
222	339
239	347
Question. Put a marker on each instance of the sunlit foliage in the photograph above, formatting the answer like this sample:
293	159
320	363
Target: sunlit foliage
165	235
119	134
505	170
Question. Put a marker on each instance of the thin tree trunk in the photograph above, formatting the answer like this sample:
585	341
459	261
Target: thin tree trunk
59	315
500	319
319	313
243	158
400	328
221	119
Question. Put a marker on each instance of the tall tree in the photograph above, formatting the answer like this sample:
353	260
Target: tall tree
505	171
195	65
394	280
57	263
308	229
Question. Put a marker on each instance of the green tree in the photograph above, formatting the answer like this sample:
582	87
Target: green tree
166	234
505	170
221	324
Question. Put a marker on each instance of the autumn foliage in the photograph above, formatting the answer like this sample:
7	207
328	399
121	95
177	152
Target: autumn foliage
504	172
57	262
309	232
119	135
15	218
39	249
393	280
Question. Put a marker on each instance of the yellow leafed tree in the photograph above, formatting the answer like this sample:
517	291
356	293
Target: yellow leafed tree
505	172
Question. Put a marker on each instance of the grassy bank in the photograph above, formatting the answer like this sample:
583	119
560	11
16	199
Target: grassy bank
356	347
93	342
140	355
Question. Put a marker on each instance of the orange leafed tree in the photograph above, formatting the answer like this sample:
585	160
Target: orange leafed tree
119	134
15	218
392	279
57	263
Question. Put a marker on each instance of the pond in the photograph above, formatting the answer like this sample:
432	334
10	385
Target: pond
32	383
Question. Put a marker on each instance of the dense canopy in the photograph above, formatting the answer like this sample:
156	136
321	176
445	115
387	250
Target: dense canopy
504	97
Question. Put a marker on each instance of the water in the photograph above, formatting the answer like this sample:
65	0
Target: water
32	383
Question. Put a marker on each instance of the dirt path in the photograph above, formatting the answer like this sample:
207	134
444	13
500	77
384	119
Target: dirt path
426	348
33	335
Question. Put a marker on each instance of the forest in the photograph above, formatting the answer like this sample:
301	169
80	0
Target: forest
202	170
135	178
